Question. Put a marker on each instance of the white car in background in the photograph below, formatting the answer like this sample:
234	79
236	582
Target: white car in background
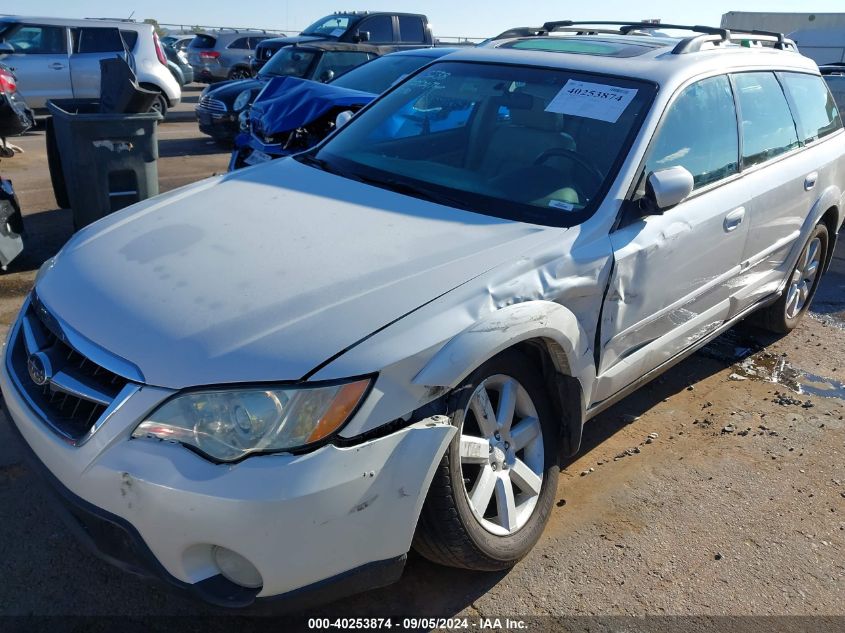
56	58
275	382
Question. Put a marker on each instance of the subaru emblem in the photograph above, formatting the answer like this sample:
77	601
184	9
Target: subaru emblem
38	366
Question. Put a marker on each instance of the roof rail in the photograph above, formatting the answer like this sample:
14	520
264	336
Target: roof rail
706	34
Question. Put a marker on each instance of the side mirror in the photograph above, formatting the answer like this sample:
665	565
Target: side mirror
361	36
6	48
326	76
668	187
343	118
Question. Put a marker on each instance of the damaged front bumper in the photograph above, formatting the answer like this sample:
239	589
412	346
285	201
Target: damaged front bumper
305	522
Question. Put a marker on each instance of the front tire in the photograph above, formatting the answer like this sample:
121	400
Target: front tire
784	315
159	105
493	491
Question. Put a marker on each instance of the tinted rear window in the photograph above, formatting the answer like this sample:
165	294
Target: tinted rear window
98	40
203	41
411	29
813	105
131	38
768	129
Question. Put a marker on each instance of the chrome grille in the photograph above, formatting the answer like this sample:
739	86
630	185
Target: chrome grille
74	394
214	105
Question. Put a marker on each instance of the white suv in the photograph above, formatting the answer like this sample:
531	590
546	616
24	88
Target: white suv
278	380
56	58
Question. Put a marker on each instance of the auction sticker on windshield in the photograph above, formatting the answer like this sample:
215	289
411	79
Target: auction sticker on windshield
593	101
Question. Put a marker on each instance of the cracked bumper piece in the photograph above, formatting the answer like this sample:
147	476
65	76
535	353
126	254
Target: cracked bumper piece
306	523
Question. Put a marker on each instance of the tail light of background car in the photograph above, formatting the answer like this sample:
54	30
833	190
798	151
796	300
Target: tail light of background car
159	50
7	82
209	54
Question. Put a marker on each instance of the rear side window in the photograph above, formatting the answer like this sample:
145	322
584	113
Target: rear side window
31	39
241	42
380	28
768	129
411	29
203	41
131	38
699	133
98	40
836	83
813	105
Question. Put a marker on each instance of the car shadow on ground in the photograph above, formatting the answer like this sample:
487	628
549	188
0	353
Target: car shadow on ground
45	233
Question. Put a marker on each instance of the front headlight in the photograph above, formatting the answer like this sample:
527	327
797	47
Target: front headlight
228	425
242	100
243	121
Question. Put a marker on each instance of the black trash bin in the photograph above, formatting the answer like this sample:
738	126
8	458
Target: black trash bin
108	161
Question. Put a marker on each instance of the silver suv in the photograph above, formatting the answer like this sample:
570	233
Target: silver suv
279	380
56	58
224	54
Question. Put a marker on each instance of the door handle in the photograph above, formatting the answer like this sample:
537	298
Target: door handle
734	219
57	65
810	181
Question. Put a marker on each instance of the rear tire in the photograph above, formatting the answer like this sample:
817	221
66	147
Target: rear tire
493	491
240	73
786	313
159	105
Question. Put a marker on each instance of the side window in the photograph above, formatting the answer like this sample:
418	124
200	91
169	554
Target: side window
699	132
768	129
334	63
31	39
98	40
411	29
131	38
240	43
813	105
380	28
836	83
254	42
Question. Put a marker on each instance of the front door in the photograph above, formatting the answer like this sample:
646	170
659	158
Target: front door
674	272
40	62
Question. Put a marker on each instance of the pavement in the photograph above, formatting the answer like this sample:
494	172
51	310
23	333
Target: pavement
718	489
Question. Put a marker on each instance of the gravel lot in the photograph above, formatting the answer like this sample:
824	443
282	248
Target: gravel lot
712	491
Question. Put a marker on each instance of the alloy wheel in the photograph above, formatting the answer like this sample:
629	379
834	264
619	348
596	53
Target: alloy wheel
502	457
803	278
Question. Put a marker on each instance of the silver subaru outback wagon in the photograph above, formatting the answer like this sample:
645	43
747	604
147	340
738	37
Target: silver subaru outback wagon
404	328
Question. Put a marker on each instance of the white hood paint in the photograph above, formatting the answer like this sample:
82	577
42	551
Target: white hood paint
264	274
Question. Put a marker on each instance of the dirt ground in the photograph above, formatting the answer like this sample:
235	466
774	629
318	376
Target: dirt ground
718	489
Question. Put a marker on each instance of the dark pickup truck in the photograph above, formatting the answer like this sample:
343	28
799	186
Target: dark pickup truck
397	30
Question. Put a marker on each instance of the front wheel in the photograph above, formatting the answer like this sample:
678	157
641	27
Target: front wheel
783	316
159	105
493	491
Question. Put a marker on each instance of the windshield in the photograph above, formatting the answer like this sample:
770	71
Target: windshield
533	144
288	62
331	26
381	73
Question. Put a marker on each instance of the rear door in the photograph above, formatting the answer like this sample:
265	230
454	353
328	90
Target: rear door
784	176
674	272
412	31
40	62
90	45
380	28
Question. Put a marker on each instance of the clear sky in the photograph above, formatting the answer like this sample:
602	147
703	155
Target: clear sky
470	18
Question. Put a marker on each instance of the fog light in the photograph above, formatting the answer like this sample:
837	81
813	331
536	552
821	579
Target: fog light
236	568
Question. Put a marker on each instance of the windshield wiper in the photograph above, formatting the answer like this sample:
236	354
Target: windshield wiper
411	189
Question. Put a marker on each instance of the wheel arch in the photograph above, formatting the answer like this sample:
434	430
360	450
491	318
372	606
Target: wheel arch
547	333
832	218
151	86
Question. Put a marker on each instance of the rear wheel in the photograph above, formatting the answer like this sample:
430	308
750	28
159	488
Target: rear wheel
493	492
784	315
159	105
239	73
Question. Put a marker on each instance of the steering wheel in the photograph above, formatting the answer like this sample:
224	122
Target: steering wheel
584	163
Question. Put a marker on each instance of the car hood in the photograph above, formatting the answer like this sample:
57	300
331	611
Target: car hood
287	103
262	274
228	91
